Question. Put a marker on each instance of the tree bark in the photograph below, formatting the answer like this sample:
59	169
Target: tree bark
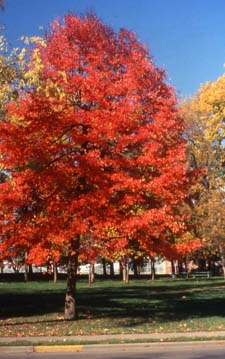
222	255
55	272
173	269
91	276
104	268
180	267
26	268
111	268
186	266
135	265
70	301
152	268
126	270
201	265
223	269
26	273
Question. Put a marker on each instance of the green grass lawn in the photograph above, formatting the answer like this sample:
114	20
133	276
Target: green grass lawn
142	306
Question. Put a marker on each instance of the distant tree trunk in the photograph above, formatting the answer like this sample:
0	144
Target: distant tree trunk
173	269
111	268
186	264
26	273
135	266
180	267
152	268
223	265
125	266
91	276
222	255
212	266
55	272
26	268
70	312
104	267
201	264
30	268
121	269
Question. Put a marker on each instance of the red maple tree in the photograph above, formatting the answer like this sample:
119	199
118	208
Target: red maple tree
92	146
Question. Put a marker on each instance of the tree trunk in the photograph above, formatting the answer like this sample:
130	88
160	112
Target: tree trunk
224	270
104	268
201	265
120	270
180	267
55	272
111	269
152	268
135	265
26	273
186	266
222	255
126	270
70	302
212	266
173	269
91	276
26	268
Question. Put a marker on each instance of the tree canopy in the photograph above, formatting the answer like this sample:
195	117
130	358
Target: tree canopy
204	115
92	149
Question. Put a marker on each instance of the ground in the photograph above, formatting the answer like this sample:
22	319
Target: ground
142	306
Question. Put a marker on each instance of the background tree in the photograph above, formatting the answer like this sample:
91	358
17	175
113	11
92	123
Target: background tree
204	115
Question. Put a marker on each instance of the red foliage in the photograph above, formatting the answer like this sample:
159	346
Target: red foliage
103	149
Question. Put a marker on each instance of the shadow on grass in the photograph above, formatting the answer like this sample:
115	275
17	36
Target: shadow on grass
162	304
26	305
138	302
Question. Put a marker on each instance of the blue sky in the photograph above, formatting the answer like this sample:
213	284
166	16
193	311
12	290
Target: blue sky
186	37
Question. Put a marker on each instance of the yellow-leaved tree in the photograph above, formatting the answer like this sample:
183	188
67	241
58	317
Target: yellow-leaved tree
205	132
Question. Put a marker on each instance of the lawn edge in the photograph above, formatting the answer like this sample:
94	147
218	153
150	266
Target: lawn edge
78	345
